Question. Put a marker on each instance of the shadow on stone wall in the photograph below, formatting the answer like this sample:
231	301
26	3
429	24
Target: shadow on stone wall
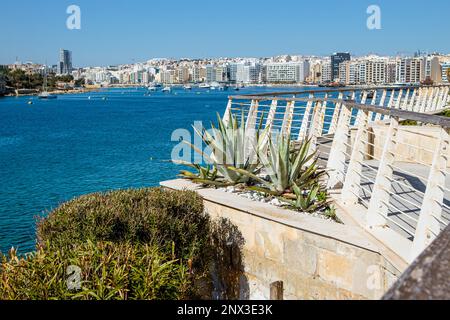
229	280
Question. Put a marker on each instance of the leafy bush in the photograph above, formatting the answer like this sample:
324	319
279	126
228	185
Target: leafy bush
134	244
153	216
108	272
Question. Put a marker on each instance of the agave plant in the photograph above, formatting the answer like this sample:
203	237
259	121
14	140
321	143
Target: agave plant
233	146
205	175
286	167
308	201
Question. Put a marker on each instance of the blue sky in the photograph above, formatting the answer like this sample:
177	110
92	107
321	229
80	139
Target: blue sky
114	32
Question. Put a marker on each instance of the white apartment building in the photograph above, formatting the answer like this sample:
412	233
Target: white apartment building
289	72
410	70
326	72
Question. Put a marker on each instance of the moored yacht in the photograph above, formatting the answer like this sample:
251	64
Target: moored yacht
45	94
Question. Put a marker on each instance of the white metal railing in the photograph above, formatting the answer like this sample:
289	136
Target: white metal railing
391	175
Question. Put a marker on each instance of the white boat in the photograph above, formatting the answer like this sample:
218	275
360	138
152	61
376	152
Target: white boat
152	88
204	86
45	94
215	85
187	87
167	89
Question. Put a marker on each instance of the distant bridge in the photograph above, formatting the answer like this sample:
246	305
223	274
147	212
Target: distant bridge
386	151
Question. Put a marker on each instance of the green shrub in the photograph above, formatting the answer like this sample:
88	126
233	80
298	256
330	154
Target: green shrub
133	244
152	216
109	271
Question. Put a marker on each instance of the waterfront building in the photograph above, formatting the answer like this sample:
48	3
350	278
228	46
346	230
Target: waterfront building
410	70
167	76
210	73
183	75
65	62
221	74
349	72
445	68
232	71
336	60
288	72
433	69
315	72
375	71
196	74
391	67
326	74
242	75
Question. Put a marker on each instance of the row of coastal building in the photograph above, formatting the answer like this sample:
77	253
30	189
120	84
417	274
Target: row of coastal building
339	68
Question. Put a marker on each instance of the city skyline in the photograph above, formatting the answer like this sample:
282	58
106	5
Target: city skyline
138	31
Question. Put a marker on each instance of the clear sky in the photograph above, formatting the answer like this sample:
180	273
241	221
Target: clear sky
123	31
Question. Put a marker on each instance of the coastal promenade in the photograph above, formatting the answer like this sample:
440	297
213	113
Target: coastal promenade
385	149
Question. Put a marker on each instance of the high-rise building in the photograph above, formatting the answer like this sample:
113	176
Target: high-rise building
336	60
65	62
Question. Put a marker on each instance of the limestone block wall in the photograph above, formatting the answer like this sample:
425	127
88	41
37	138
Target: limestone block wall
315	259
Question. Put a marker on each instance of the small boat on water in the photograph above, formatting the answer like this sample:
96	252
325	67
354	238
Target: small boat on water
204	86
45	95
167	89
152	88
187	87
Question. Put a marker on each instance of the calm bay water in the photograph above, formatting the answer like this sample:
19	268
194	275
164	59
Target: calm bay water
52	151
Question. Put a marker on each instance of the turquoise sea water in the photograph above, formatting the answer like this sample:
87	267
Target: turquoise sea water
52	151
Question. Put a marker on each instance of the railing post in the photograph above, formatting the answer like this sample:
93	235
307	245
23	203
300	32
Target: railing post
363	101
444	100
352	184
382	101
399	99
271	115
429	104
337	157
317	125
251	124
412	101
226	116
305	121
336	113
423	103
406	100
287	121
373	103
378	208
437	98
428	226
